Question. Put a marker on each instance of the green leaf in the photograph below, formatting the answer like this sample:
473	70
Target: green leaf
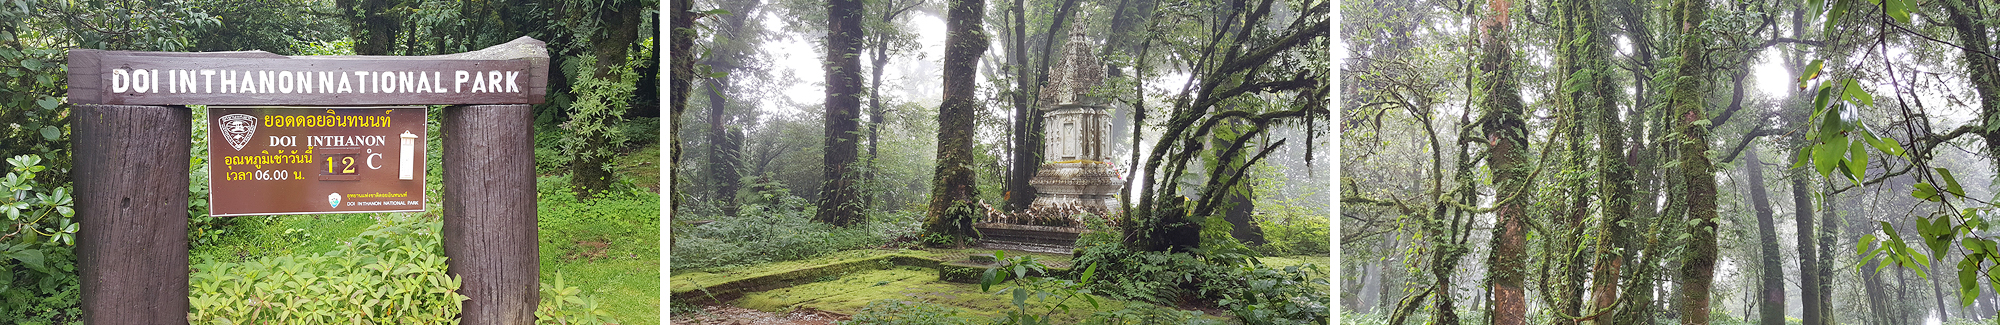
31	64
1805	155
1088	272
1898	9
1811	72
1893	148
1968	281
1925	191
51	133
1857	163
1855	92
1832	129
48	103
1867	242
32	258
1821	99
1826	156
1834	15
1950	183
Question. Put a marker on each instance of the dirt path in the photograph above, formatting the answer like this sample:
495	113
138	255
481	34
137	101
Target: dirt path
732	315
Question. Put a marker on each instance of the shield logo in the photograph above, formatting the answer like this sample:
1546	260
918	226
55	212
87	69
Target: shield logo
333	200
237	128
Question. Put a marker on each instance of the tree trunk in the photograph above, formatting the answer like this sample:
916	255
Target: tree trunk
1829	227
377	31
1809	275
1772	303
1871	283
839	199
682	69
881	58
724	153
1967	21
1688	101
725	147
617	31
952	211
1938	292
1027	151
1614	172
1507	134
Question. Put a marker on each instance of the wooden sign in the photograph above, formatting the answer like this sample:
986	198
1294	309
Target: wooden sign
300	160
511	73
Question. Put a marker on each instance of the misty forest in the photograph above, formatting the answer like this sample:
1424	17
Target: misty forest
1669	161
942	161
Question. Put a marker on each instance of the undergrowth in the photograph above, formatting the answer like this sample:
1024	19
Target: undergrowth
778	229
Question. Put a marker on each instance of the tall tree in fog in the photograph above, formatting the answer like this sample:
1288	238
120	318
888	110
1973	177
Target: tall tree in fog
839	198
953	189
730	44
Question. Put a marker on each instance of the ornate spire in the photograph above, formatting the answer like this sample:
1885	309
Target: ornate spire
1070	80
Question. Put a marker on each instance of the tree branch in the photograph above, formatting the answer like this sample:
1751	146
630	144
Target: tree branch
1745	143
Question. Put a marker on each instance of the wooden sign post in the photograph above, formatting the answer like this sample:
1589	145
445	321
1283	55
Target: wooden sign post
131	130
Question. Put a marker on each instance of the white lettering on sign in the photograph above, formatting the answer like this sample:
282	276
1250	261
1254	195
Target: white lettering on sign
212	81
346	141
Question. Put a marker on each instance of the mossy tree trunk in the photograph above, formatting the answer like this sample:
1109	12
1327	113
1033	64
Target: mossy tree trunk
617	30
952	192
683	35
1689	101
839	199
1507	136
1593	93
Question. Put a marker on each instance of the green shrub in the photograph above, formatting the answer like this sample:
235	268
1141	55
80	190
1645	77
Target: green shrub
763	234
38	281
898	312
1155	277
562	304
1227	275
1293	228
392	273
1139	313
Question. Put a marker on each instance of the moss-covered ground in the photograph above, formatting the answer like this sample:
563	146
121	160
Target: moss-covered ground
844	282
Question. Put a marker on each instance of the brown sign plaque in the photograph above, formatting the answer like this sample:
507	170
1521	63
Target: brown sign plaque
315	160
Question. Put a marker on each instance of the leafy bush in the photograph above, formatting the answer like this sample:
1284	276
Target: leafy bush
1228	275
38	281
392	273
1139	313
592	137
762	235
1293	228
898	312
1155	277
1026	282
562	304
1261	295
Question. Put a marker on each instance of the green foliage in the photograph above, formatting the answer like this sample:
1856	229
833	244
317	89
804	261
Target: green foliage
1293	229
592	137
898	312
1139	313
1024	286
1260	295
764	233
1255	293
392	273
37	267
562	304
